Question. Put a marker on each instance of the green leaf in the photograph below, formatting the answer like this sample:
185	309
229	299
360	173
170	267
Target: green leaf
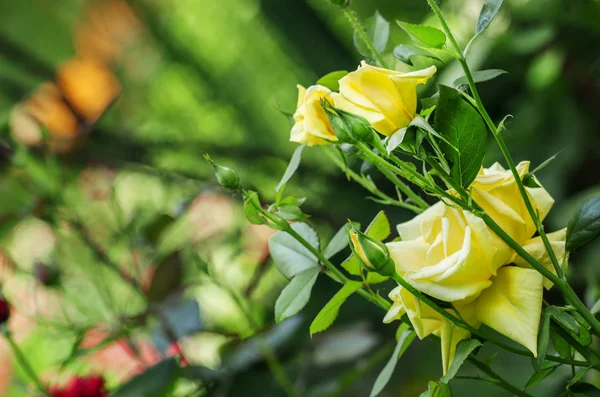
352	265
250	211
479	77
562	347
291	212
156	381
438	389
542	341
338	242
289	255
330	311
332	80
578	376
424	35
405	53
463	349
296	294
462	125
564	319
375	278
291	168
584	226
378	32
487	14
166	279
379	228
537	377
587	389
386	373
529	181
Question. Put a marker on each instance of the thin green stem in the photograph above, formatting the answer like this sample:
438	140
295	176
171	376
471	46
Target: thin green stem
369	186
360	30
25	365
559	279
496	379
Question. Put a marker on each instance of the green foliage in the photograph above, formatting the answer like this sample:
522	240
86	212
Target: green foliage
407	336
405	53
464	128
463	350
479	76
331	80
542	341
338	242
296	294
251	203
330	311
540	375
424	35
584	226
155	381
291	168
487	15
290	256
167	278
377	30
437	389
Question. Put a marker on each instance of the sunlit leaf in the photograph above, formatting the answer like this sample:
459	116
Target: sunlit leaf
479	76
404	53
487	15
330	311
424	35
378	32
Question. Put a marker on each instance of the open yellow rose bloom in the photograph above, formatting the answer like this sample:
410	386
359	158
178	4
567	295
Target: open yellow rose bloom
453	256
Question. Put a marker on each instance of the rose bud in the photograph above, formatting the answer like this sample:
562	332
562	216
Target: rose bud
373	255
226	177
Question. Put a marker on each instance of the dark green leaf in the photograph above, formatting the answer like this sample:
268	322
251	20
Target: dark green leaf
543	338
378	32
564	319
530	181
464	128
561	346
578	376
156	381
154	229
479	77
586	389
332	80
330	311
167	278
424	35
584	226
289	255
487	14
296	294
463	349
387	371
539	376
291	168
405	53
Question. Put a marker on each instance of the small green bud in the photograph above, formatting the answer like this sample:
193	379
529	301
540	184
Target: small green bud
373	254
360	128
348	127
226	177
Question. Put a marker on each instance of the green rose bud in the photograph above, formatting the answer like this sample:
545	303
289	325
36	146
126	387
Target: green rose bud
348	128
226	177
373	254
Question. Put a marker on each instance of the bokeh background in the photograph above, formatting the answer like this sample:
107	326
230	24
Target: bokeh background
106	108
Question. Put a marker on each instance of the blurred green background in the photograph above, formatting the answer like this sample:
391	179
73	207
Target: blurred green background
210	77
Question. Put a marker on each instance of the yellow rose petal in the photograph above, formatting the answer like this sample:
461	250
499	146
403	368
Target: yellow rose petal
512	305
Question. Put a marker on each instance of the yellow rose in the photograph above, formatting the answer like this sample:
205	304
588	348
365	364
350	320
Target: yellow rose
511	305
446	253
386	98
496	191
312	126
427	321
535	247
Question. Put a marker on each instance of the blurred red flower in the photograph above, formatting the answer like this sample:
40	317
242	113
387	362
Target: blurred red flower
88	386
